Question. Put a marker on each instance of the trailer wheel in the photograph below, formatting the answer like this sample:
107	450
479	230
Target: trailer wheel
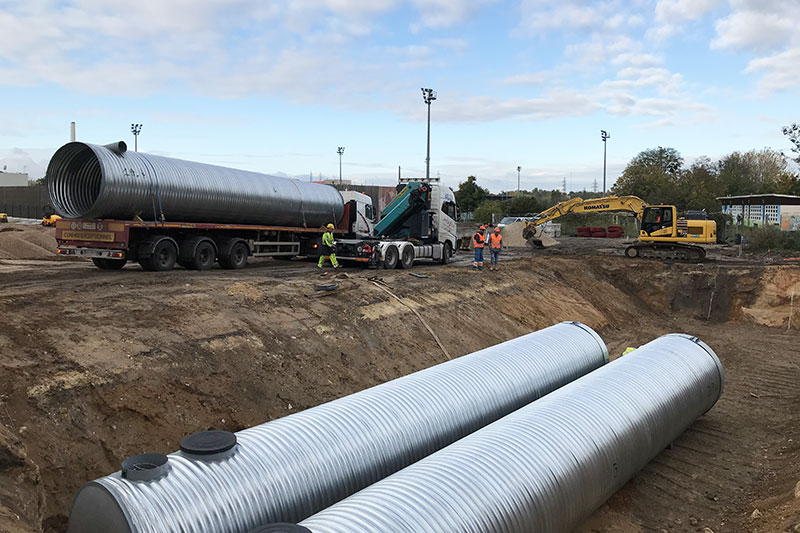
163	258
447	253
407	257
236	257
204	256
390	258
108	264
632	251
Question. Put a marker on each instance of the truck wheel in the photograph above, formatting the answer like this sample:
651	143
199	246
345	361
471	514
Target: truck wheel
447	253
407	257
204	256
108	264
390	258
236	258
164	257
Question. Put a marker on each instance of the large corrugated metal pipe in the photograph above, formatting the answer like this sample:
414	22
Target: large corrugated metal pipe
90	181
290	468
547	466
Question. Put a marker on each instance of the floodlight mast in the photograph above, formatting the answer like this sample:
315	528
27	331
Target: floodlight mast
428	96
605	136
135	129
340	151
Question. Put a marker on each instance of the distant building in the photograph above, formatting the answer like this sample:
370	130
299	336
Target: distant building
13	179
763	209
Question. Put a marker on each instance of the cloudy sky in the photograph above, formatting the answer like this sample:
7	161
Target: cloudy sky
277	86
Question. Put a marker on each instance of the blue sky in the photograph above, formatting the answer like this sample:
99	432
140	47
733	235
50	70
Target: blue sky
277	86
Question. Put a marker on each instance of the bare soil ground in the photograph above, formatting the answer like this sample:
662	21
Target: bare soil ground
96	366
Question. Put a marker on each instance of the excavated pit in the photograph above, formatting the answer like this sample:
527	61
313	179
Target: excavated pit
98	366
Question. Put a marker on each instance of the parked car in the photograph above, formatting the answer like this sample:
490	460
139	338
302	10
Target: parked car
505	221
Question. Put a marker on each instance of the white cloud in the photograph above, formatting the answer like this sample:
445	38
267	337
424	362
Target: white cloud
445	13
673	15
556	103
764	27
780	71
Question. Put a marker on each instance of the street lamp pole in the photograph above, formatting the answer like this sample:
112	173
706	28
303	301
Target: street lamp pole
135	129
604	135
340	151
428	96
519	169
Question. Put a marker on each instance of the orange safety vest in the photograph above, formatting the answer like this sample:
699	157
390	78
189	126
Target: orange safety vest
479	240
496	240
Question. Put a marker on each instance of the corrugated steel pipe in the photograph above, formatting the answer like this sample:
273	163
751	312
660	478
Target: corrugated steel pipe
290	468
90	181
547	466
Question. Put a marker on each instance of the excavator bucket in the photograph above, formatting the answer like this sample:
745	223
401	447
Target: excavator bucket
533	234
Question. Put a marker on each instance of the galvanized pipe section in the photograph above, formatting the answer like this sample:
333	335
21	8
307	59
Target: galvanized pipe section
547	466
290	468
91	181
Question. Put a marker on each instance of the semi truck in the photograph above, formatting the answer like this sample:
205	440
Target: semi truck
226	216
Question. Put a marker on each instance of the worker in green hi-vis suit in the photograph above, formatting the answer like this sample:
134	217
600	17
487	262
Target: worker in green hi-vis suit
328	248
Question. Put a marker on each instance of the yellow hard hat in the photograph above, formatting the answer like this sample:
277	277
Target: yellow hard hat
330	226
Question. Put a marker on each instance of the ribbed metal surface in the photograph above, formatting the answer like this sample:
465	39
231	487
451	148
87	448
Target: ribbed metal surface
547	466
90	181
287	469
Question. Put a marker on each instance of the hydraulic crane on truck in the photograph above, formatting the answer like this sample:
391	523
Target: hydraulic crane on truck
662	234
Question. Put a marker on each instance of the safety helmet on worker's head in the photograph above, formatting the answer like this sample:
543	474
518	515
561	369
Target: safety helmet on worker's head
497	229
330	226
483	227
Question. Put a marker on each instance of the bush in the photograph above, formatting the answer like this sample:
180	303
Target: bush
770	238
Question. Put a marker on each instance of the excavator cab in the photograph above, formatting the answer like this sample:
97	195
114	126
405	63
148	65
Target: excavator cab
657	218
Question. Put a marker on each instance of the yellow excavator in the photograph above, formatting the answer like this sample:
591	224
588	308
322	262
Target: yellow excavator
662	235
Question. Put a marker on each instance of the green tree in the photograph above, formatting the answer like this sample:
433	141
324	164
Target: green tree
522	205
652	175
754	172
470	195
483	213
699	186
793	132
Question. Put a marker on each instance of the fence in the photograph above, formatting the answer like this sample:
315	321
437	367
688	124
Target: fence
24	202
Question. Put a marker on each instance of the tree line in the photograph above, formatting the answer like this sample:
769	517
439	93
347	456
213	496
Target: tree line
659	176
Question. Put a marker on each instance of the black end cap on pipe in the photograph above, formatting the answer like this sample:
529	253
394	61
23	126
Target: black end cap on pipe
281	527
208	442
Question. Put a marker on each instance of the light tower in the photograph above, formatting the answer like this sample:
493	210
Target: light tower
428	96
519	169
604	135
340	151
135	129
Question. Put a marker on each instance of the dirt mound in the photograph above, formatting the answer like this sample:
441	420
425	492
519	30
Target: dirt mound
21	241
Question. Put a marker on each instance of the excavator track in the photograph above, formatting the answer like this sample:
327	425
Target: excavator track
670	251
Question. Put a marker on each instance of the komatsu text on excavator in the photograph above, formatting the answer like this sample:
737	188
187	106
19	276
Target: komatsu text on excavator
662	234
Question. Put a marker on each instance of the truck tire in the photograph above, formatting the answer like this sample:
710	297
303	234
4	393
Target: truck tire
204	256
407	257
104	263
390	258
447	253
163	258
236	258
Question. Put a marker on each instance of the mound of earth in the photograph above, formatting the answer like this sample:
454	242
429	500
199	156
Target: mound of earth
18	241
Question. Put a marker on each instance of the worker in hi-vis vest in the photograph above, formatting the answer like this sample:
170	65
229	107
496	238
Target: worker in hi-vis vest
495	245
328	248
478	240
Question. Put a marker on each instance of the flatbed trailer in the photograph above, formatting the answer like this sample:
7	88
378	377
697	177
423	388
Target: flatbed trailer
160	246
